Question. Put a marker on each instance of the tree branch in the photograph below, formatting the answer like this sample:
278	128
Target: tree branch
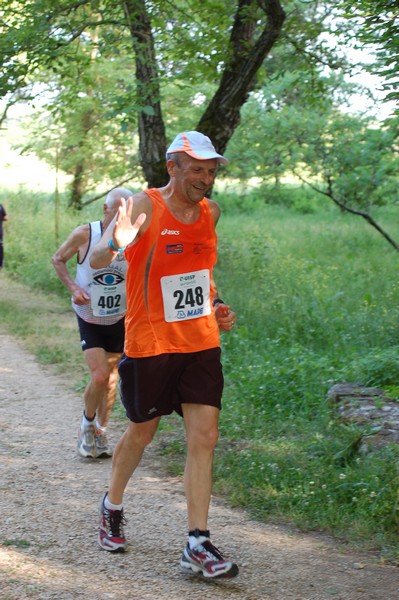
329	193
222	115
103	194
3	116
313	57
78	32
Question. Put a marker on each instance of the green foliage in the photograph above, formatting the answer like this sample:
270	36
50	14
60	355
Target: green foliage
244	199
377	368
350	157
375	24
31	242
315	311
16	543
356	162
299	477
77	65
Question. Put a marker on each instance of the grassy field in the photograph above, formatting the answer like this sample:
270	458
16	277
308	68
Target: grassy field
317	297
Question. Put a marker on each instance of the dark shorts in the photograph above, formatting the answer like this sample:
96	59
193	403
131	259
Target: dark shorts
157	385
109	337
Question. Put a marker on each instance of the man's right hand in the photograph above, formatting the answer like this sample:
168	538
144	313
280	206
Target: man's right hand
80	297
124	230
120	230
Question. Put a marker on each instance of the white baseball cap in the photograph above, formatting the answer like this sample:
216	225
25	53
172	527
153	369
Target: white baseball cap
197	145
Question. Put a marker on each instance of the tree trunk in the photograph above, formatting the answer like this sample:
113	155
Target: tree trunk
222	115
79	177
78	185
152	145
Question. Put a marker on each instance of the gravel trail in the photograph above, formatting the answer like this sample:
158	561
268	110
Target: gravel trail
48	504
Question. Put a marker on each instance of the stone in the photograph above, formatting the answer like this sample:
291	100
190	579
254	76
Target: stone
364	406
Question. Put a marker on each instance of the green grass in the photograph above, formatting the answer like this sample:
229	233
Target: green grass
317	298
16	543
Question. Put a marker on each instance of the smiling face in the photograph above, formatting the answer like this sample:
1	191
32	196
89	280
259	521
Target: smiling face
192	177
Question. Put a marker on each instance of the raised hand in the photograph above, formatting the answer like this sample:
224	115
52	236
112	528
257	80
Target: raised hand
125	231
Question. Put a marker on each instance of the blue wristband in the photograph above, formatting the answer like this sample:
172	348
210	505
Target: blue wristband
113	248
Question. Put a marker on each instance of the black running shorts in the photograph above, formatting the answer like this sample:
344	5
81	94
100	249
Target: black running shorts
109	337
158	385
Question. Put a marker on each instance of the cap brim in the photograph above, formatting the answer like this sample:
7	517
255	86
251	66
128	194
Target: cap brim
206	155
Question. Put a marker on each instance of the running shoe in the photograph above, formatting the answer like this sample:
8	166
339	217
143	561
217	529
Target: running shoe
207	559
111	536
103	449
86	442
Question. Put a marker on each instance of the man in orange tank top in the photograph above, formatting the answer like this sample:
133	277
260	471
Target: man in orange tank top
171	359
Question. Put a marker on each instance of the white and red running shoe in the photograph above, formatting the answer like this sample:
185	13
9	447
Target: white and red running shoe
207	559
103	449
111	536
86	445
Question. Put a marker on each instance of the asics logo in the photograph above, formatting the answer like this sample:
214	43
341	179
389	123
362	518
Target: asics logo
170	232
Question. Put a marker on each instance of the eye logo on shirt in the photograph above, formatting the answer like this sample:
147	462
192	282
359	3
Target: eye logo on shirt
108	278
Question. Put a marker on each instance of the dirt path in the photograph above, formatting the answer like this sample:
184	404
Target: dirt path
48	508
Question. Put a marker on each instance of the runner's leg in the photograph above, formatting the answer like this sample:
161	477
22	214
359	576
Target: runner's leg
108	400
97	362
201	423
127	456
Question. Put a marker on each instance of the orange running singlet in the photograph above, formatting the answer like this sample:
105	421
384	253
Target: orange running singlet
168	285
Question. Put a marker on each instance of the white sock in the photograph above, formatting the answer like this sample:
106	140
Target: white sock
86	423
100	428
111	506
194	540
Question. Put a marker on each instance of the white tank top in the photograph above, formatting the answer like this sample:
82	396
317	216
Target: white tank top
106	287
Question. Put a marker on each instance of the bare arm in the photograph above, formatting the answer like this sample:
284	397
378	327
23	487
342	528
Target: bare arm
123	230
215	210
78	238
225	317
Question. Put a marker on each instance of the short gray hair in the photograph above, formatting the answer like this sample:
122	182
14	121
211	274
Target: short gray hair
116	194
175	156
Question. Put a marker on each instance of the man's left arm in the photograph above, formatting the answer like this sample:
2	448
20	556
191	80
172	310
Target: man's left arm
225	317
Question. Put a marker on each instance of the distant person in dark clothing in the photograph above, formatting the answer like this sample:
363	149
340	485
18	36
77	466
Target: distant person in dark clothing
3	217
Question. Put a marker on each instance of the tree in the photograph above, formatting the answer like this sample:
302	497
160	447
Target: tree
79	80
209	58
376	24
44	35
351	162
248	51
82	121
